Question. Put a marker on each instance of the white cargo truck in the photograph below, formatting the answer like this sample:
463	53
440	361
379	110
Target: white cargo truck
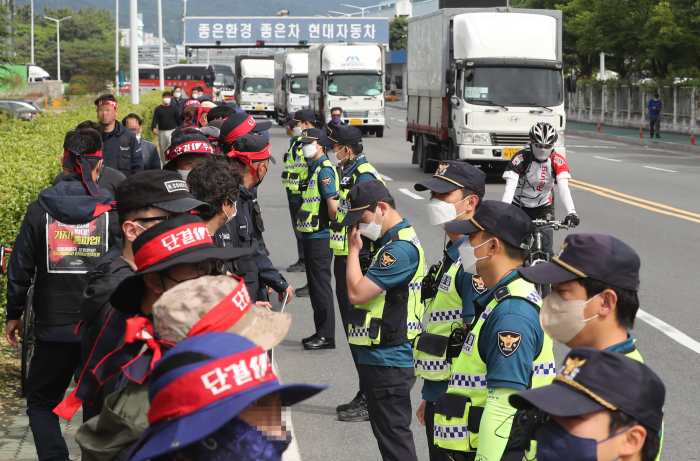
291	83
349	76
255	84
478	79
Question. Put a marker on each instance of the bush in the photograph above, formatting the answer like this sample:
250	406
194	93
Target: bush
31	156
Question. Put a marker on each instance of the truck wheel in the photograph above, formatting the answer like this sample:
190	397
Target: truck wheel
418	149
427	157
380	132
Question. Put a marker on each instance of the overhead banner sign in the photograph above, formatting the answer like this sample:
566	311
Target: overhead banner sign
283	31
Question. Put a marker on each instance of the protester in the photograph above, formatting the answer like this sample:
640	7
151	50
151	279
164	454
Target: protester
603	406
53	250
206	418
120	149
655	108
179	98
189	113
166	118
185	152
108	178
196	92
335	121
149	151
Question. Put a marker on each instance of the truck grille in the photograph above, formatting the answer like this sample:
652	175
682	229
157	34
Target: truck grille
509	139
355	113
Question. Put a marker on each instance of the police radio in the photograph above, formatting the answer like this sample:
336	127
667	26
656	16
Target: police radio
430	284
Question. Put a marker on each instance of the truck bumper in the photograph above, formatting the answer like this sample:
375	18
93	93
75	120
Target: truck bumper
366	122
493	154
258	109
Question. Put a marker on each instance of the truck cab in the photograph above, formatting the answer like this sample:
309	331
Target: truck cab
255	78
291	83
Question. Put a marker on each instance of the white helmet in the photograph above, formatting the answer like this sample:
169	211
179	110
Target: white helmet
542	139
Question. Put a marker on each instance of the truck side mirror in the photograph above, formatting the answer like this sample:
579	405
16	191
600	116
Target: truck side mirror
318	88
571	81
451	90
318	80
448	77
284	86
387	79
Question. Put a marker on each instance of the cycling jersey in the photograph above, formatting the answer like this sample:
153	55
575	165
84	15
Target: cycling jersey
535	180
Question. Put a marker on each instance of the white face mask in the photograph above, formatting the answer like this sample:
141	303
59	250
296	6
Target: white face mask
138	136
563	320
372	230
229	218
440	212
184	173
166	101
542	154
309	150
333	157
177	95
466	252
297	130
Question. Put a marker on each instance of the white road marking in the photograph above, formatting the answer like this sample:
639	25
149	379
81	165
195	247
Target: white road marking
596	147
669	331
660	169
610	159
411	194
386	178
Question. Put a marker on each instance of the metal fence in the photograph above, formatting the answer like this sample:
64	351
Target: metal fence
626	105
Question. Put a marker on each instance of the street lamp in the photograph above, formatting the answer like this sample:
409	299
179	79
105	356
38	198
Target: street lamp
116	52
32	39
363	8
160	46
58	40
346	15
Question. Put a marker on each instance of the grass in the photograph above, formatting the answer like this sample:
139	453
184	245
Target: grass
10	386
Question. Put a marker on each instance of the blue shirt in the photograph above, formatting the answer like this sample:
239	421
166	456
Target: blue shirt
625	346
469	290
399	273
327	188
654	107
512	317
364	176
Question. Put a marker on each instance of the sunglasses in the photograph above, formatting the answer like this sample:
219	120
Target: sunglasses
157	218
208	267
543	146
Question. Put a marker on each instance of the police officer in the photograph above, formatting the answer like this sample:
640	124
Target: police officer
53	249
294	177
603	406
387	315
594	302
318	208
448	292
346	153
505	351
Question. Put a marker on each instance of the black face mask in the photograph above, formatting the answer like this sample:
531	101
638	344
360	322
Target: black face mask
261	179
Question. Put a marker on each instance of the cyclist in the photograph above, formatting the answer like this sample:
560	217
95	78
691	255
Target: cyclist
530	177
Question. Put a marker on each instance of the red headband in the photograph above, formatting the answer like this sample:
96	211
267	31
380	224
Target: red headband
249	157
107	102
244	128
201	110
225	314
210	383
191	147
75	161
164	245
192	102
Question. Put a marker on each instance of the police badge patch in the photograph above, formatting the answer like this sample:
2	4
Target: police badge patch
387	260
478	284
326	181
508	342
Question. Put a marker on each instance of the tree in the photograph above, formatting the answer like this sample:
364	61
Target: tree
398	34
6	35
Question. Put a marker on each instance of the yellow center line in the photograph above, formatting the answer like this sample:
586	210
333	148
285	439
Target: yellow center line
599	190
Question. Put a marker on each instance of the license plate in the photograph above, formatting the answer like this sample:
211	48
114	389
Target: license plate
509	153
258	107
355	121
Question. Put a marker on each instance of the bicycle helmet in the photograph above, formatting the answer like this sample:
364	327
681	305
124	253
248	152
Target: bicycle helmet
542	139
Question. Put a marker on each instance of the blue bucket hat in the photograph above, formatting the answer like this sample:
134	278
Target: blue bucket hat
203	383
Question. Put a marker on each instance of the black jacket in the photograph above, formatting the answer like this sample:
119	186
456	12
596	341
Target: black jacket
121	151
109	179
250	198
149	153
37	254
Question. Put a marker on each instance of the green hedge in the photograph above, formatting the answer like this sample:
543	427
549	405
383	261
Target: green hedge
31	155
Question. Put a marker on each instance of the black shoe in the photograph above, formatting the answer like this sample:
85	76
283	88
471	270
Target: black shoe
356	415
298	266
658	136
302	292
651	136
320	343
358	400
309	338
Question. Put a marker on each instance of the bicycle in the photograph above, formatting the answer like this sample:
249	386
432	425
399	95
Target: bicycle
28	340
536	252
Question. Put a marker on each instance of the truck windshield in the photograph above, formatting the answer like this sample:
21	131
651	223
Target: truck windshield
518	86
223	80
355	85
299	85
258	85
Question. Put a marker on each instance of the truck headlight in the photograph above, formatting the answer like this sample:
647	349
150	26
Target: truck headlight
560	139
376	113
467	138
482	138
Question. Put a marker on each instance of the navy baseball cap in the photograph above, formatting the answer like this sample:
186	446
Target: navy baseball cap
162	189
304	115
505	221
346	135
253	144
310	135
594	380
203	383
361	197
600	257
454	175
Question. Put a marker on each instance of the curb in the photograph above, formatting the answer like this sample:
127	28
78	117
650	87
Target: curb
396	107
639	142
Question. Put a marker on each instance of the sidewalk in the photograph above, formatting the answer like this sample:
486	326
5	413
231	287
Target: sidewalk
671	141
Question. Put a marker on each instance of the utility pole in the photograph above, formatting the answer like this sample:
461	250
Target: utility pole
363	8
116	53
161	72
32	38
134	51
58	40
602	67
